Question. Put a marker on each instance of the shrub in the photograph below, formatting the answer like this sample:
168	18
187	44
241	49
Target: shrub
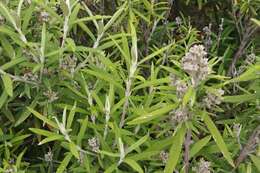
129	86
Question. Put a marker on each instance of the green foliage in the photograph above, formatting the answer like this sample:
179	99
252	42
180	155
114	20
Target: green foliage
129	86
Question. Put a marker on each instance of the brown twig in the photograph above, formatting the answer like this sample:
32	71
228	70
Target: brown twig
250	30
187	151
249	147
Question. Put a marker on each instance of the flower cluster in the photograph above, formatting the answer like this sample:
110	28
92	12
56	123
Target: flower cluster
29	76
195	64
207	38
203	166
181	86
250	59
48	157
94	144
51	95
69	63
2	20
164	156
213	99
180	115
44	16
178	20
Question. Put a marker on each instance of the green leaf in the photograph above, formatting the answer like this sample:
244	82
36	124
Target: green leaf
195	148
114	18
240	98
64	163
251	74
175	150
137	144
43	118
74	149
155	53
256	21
13	63
26	113
82	131
42	132
3	98
134	165
8	84
111	168
54	137
218	138
256	161
71	115
64	7
19	159
189	96
43	41
152	115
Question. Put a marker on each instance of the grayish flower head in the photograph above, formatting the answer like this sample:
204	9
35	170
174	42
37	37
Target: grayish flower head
180	115
2	20
94	144
213	99
69	63
181	86
196	64
44	16
203	166
164	156
51	95
178	20
30	76
48	157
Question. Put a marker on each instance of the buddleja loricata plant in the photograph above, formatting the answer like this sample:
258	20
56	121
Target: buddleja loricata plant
123	86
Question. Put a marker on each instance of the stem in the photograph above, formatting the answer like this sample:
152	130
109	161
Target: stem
127	94
250	30
249	147
187	143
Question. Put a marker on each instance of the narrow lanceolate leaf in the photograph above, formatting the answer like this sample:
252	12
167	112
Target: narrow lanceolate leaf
175	150
195	148
74	149
218	138
152	115
64	163
42	132
71	115
137	144
134	165
8	84
25	114
43	42
256	161
54	137
256	21
43	118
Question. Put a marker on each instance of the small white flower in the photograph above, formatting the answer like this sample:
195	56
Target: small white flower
69	63
51	95
164	156
178	20
48	157
180	115
44	16
196	64
213	99
94	144
181	86
203	166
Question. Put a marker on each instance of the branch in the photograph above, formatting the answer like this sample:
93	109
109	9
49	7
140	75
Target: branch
249	147
187	143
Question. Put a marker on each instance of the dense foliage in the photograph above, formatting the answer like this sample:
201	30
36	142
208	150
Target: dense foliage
129	86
